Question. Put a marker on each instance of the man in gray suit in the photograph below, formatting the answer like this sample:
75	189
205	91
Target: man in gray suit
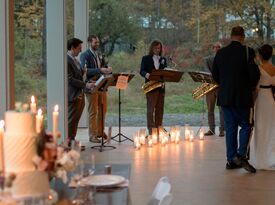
75	87
211	97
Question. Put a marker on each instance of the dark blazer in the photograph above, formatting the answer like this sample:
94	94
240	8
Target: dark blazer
235	75
147	65
209	63
75	80
93	70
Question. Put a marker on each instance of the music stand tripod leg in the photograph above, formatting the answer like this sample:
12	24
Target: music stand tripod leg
203	116
102	145
119	134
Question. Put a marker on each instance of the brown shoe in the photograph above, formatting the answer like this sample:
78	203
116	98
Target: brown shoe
94	140
209	133
221	134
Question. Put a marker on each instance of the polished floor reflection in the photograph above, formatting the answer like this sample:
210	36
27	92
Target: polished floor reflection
196	171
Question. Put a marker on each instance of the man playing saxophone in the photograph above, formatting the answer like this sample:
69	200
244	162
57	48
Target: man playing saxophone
155	97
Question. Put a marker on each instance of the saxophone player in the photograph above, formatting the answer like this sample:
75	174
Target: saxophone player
155	98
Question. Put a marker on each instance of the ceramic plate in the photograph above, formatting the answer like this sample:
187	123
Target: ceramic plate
103	180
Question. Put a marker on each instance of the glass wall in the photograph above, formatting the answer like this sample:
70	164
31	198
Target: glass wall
30	51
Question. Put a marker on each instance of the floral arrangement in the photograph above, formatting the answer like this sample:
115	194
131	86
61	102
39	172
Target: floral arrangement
57	160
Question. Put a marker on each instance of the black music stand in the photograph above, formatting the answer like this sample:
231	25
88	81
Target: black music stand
202	77
166	75
101	86
119	134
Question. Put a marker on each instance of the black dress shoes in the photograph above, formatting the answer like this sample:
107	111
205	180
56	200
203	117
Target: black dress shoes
243	162
209	133
248	167
232	165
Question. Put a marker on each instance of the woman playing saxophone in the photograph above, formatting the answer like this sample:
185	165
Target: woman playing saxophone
155	97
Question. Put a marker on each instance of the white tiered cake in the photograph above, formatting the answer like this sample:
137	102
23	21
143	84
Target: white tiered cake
19	150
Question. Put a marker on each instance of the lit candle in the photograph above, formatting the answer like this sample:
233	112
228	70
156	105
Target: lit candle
39	121
177	138
155	135
55	122
137	145
186	134
142	134
191	136
201	134
155	139
2	158
33	105
172	134
136	141
150	141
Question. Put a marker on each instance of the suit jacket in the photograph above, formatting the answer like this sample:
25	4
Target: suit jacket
93	70
75	80
209	63
235	75
147	65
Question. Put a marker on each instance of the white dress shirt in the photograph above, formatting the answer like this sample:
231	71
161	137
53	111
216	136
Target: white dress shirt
156	61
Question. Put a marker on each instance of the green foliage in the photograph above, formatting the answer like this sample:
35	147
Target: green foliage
113	24
28	83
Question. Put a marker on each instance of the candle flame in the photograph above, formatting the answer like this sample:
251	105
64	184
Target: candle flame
2	124
33	99
39	112
56	108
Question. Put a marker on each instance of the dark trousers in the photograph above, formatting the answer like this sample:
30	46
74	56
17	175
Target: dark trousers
75	110
211	99
234	117
155	108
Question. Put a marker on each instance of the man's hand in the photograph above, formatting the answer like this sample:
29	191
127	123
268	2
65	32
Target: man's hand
106	70
147	76
90	85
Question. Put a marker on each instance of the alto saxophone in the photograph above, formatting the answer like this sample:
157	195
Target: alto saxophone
202	90
152	85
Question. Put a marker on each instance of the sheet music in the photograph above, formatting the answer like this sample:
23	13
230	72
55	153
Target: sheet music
122	82
99	80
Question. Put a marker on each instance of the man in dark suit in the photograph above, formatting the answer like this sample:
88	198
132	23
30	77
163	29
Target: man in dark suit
155	98
96	67
237	74
75	87
211	97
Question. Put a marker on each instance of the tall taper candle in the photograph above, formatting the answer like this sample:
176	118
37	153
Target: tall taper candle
2	157
39	121
55	122
33	105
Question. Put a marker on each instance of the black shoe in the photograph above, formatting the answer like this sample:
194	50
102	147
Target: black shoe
232	165
248	167
209	133
221	134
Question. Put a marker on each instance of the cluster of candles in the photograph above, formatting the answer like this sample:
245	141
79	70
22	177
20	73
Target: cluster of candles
39	118
163	137
39	127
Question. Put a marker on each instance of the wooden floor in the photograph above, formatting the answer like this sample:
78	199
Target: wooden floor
196	171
